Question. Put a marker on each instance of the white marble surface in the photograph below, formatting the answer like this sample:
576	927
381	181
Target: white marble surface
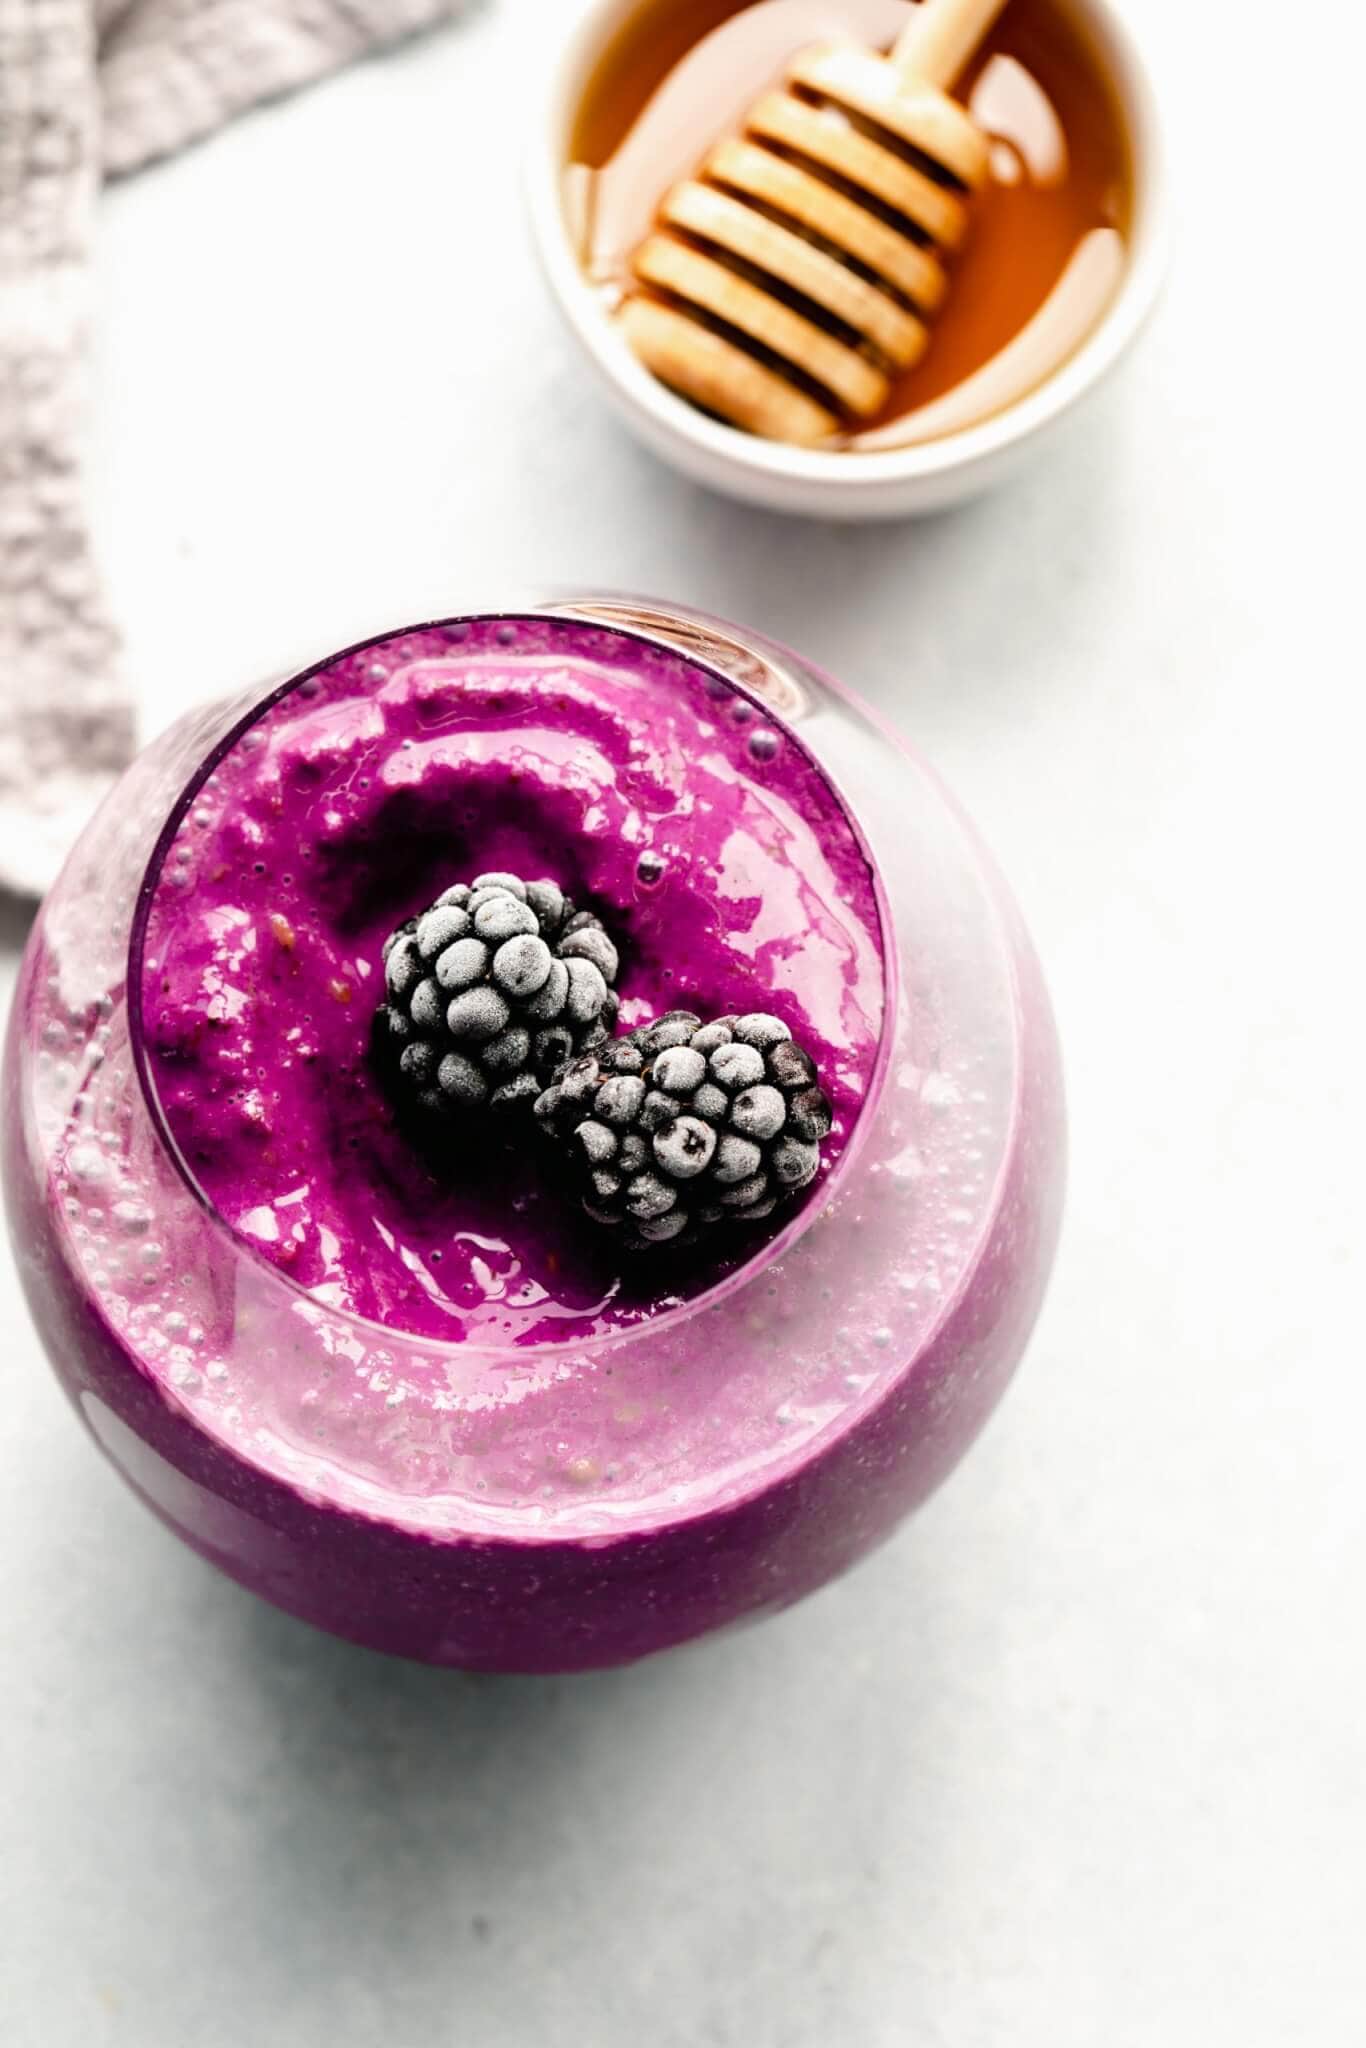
1078	1758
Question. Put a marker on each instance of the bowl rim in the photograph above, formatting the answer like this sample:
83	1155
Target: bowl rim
846	473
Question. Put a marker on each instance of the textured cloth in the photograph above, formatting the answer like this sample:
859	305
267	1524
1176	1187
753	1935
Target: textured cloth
87	88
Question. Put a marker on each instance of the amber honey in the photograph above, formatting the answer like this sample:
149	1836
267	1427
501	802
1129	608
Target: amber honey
1047	246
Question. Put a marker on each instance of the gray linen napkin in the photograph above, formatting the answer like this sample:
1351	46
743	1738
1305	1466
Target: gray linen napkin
90	88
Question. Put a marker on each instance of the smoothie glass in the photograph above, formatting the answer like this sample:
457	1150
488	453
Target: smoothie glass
554	1506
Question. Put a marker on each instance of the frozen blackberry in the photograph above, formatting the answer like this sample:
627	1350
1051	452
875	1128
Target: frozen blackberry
681	1126
491	992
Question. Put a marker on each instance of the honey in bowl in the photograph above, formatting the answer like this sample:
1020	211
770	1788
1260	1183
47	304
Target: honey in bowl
1047	242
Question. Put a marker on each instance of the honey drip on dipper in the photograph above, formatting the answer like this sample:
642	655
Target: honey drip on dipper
792	282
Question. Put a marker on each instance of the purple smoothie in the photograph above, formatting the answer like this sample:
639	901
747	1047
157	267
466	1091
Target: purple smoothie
517	1456
719	857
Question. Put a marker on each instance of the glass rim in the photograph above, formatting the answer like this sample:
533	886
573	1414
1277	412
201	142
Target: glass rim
568	612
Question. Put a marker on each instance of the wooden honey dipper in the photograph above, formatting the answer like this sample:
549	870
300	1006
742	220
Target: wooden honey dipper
789	281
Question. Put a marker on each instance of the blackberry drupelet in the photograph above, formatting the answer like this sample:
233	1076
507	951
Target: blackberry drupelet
491	992
682	1126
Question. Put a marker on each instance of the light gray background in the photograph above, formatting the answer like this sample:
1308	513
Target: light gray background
1077	1759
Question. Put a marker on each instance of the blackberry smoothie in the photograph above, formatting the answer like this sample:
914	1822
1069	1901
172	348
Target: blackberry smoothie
399	1381
719	857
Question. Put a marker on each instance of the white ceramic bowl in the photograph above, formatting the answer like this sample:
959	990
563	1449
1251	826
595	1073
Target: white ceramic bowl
888	484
